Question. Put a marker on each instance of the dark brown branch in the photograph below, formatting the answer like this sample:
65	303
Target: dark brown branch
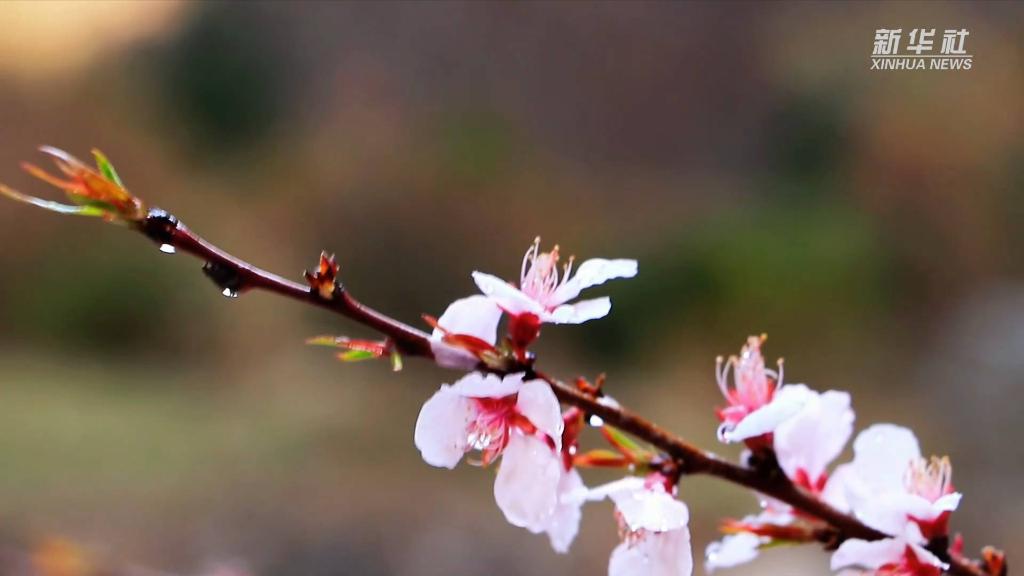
236	276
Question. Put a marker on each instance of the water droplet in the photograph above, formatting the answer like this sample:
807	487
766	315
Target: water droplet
167	249
230	293
595	421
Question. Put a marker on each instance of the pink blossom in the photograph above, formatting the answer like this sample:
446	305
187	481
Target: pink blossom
465	323
656	535
544	292
758	401
804	445
522	423
888	484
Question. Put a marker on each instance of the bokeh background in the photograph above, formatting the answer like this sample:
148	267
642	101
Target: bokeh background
869	222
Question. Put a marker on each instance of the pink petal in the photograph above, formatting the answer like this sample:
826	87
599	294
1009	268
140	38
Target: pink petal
526	488
787	402
540	406
579	312
815	436
654	554
732	550
565	522
513	300
592	273
477	385
476	316
442	427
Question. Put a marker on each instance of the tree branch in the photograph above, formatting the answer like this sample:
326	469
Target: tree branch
236	276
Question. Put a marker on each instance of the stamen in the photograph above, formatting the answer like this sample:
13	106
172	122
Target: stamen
567	270
931	479
531	257
722	373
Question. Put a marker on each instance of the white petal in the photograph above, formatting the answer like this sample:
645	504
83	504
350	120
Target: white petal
540	406
512	299
442	427
811	439
476	316
565	522
947	503
787	402
889	511
526	488
579	312
591	273
654	554
882	454
872	555
837	487
477	385
643	507
622	485
732	550
651	509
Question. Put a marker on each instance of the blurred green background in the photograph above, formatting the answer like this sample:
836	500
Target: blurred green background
869	222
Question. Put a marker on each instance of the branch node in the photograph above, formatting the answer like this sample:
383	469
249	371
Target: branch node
324	281
160	226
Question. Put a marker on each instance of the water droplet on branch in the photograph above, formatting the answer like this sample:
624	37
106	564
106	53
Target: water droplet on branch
595	421
167	249
225	277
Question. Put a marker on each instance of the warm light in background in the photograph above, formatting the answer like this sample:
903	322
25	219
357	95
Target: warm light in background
45	38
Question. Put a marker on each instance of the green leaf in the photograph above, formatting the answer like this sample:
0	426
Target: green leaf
106	168
396	361
623	442
89	209
356	355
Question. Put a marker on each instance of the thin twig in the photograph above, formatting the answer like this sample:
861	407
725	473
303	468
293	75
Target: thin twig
236	276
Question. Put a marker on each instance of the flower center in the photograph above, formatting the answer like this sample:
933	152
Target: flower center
488	433
930	479
539	276
753	385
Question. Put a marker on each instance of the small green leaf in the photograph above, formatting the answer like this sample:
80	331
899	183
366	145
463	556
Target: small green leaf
106	168
627	445
89	209
356	355
396	361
